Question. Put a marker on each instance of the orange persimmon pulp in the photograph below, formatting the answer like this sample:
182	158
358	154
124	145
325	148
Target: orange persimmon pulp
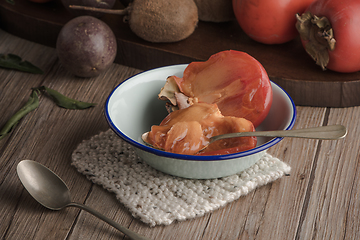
188	130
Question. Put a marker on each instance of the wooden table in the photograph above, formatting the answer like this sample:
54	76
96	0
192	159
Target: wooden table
319	200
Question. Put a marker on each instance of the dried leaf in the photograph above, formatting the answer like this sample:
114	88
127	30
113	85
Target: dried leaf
66	102
15	62
33	103
30	105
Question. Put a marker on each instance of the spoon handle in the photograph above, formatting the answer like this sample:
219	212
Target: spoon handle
128	232
331	132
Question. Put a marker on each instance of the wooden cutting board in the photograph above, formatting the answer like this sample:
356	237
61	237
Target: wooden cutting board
287	64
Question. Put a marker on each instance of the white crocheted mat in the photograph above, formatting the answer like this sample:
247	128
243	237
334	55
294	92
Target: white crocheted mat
157	198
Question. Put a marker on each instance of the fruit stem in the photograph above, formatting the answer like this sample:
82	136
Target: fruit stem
318	36
102	10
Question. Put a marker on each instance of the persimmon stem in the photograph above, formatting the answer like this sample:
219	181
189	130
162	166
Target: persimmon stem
318	36
102	10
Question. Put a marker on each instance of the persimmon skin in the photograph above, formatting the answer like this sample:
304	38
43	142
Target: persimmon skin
269	21
234	80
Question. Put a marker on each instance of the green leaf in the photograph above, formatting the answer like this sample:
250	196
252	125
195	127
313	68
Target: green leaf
66	102
15	62
30	105
33	103
11	2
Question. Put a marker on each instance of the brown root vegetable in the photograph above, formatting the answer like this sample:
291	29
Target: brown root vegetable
215	10
86	46
106	4
158	20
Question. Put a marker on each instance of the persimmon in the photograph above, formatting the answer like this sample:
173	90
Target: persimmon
329	31
269	21
234	80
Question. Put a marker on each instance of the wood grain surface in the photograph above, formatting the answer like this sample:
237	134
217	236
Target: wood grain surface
287	64
319	200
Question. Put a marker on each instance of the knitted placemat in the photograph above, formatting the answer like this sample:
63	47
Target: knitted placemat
157	198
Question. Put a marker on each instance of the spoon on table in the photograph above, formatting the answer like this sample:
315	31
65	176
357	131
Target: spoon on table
50	191
331	132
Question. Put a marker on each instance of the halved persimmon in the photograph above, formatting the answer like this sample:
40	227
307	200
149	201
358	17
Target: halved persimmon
234	80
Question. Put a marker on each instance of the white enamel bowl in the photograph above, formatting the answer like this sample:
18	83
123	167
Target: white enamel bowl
133	107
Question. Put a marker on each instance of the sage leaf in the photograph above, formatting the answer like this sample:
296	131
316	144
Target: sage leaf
12	61
66	102
31	104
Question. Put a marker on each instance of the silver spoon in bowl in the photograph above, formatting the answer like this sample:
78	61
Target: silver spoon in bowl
331	132
50	191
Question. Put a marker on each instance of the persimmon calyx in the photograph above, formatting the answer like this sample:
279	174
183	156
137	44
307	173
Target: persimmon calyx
318	36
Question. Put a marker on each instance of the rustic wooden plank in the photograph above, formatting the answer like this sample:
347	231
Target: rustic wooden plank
266	212
31	221
252	215
15	88
350	93
328	95
41	136
286	204
89	227
55	147
334	200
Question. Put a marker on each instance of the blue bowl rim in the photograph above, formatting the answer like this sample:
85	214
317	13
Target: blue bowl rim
161	153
